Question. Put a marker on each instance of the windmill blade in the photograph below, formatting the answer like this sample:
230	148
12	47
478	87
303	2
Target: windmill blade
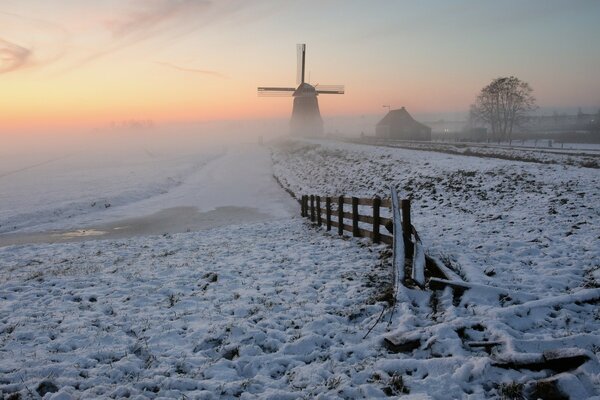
275	91
330	89
301	49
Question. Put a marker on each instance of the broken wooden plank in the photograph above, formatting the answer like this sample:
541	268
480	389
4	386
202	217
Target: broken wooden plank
437	269
441	284
401	343
460	286
583	296
398	246
485	344
561	360
418	265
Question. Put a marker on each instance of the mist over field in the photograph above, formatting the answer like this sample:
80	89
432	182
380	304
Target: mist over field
258	199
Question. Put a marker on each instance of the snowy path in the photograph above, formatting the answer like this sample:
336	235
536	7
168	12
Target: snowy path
234	188
242	177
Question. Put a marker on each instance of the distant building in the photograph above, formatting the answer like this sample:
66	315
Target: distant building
398	124
557	123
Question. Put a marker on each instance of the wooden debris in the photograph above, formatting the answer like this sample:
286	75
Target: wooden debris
556	360
401	343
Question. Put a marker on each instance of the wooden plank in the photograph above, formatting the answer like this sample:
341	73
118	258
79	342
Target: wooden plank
365	233
365	202
560	360
485	344
415	233
406	228
318	199
440	284
436	269
398	244
418	265
460	286
355	215
385	221
376	220
347	200
387	239
361	218
328	212
386	203
398	344
341	215
365	218
347	215
312	208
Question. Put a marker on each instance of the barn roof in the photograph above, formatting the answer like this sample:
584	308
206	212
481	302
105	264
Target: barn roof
400	117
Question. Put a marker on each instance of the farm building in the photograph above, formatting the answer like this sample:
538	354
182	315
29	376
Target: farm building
398	124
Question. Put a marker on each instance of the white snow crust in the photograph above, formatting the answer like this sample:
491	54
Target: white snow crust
279	309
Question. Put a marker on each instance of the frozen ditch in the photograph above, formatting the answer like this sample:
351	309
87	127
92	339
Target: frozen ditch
212	189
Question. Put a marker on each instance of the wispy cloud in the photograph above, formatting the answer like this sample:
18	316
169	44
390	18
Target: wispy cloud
107	30
154	16
193	70
34	42
145	20
13	56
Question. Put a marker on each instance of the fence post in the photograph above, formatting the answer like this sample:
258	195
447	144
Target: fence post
341	215
355	231
328	212
318	199
399	253
407	227
312	208
302	209
376	220
306	206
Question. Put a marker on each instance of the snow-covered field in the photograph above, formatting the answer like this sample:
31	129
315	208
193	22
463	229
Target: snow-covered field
50	191
507	223
268	310
583	155
526	228
279	309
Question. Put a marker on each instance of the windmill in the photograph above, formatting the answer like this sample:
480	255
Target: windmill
306	119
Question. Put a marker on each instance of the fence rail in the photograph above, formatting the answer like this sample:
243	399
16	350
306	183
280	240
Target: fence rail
333	212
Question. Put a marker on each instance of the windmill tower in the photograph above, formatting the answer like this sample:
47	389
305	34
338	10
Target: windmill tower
306	118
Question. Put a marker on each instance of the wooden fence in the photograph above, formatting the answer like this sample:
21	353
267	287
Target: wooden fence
332	212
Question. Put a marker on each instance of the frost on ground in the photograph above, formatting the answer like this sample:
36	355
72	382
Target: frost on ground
518	225
525	228
280	309
269	310
583	157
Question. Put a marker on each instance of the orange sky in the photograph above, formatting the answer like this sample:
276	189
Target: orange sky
87	63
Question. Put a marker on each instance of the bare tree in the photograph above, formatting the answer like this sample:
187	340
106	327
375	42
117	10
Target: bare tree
503	104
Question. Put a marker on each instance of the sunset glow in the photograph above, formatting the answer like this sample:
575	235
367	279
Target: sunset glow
88	63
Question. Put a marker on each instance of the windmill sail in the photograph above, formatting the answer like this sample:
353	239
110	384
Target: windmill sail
275	91
329	89
301	62
306	118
